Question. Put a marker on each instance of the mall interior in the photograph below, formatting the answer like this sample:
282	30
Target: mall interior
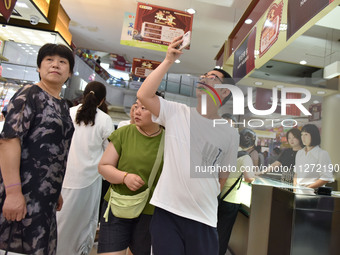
288	47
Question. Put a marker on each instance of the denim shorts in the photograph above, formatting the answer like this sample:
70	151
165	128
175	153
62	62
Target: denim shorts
118	234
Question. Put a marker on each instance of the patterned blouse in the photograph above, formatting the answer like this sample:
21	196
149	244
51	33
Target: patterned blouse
44	127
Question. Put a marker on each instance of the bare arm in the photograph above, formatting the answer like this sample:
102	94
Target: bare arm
14	207
317	184
222	182
107	168
146	93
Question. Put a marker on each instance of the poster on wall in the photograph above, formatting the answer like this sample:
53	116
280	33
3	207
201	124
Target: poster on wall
155	27
315	110
127	30
6	8
271	28
244	58
143	67
302	11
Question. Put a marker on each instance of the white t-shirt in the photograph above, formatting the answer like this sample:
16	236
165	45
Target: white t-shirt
312	166
123	123
181	190
87	147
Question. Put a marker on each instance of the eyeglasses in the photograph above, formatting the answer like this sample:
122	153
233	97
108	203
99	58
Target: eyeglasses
210	77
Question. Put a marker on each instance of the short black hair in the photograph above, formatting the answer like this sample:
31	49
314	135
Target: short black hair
314	133
247	138
296	133
51	49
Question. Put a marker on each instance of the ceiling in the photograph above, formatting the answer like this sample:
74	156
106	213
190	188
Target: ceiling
97	25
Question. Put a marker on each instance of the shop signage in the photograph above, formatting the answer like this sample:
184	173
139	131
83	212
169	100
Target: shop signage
6	8
271	28
244	59
159	25
143	67
301	11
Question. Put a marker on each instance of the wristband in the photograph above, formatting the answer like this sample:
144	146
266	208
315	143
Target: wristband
126	173
12	185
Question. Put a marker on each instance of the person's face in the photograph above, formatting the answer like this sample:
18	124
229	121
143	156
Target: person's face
293	141
54	69
210	79
142	116
306	138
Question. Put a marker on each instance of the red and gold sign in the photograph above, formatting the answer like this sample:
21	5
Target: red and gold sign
6	8
143	67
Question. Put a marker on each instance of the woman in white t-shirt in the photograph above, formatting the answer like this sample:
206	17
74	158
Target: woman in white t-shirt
313	166
77	221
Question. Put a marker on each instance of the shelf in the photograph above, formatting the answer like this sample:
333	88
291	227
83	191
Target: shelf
2	58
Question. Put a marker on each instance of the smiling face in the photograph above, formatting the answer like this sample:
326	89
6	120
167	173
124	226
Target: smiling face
54	70
142	116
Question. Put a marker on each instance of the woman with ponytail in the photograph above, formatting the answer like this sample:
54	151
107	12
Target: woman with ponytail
77	222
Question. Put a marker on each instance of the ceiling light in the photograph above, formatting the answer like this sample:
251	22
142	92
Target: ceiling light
320	92
258	83
177	61
248	21
331	70
190	11
303	62
316	102
8	68
280	86
218	67
21	5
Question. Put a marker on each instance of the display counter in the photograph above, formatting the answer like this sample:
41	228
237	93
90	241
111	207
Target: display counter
283	219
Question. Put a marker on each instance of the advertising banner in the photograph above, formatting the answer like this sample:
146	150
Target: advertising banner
159	25
6	8
244	59
301	11
143	67
271	28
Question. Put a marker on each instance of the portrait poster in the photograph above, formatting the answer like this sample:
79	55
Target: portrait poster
143	67
302	11
271	28
159	25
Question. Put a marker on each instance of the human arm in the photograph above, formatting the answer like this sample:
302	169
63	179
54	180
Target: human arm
146	93
14	207
60	202
107	167
317	184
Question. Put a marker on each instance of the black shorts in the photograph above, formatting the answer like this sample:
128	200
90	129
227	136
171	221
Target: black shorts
118	234
175	235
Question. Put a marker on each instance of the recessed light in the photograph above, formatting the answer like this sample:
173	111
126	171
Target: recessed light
320	92
177	61
217	67
21	5
190	11
248	21
303	62
316	102
258	83
280	86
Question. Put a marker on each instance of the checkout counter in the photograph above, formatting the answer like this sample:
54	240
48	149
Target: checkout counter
279	219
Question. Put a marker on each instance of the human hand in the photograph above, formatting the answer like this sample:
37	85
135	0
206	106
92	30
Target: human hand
14	207
60	202
133	181
173	53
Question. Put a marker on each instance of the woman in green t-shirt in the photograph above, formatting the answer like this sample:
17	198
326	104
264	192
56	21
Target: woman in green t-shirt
127	163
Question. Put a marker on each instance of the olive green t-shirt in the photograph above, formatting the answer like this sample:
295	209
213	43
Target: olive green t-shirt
137	155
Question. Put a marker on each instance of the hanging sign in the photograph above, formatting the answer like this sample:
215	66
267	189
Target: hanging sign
6	8
143	67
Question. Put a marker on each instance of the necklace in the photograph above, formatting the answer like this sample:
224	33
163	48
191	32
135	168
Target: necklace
152	133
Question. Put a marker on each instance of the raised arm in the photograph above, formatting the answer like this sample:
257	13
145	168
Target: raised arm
146	93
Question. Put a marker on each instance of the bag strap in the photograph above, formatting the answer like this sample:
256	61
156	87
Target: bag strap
231	188
157	161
